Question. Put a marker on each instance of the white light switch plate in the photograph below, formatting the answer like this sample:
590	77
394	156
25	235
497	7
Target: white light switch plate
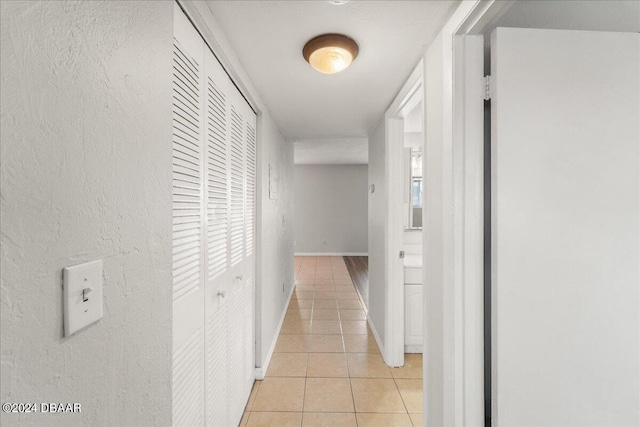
82	296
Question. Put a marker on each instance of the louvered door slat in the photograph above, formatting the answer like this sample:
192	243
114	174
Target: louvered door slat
250	189
188	383
217	180
237	187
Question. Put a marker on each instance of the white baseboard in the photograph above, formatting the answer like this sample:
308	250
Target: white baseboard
331	254
415	348
364	306
375	334
262	371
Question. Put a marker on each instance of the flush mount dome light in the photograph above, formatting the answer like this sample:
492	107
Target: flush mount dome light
330	53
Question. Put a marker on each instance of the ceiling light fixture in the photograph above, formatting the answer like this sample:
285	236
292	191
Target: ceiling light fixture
338	2
330	53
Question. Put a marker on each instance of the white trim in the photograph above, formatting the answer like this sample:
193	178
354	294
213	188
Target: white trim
262	371
331	254
415	348
469	137
450	372
375	335
409	96
364	306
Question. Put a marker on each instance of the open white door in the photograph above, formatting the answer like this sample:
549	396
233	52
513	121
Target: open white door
565	228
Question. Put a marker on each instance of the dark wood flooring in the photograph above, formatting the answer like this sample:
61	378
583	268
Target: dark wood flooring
358	267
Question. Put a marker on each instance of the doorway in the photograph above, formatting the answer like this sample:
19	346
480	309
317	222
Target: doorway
405	137
560	159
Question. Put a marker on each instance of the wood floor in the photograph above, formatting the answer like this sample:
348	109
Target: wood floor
358	267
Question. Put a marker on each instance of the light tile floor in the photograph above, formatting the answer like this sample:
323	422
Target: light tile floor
327	369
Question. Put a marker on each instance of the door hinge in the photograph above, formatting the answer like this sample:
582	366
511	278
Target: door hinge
401	254
487	88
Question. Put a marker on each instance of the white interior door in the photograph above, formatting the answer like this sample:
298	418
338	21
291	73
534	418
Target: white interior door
565	228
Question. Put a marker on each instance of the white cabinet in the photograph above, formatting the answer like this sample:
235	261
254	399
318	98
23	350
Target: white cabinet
214	161
413	318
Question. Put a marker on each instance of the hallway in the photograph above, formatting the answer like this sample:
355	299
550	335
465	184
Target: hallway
327	369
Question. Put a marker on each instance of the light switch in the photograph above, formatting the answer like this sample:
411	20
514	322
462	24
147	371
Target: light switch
82	296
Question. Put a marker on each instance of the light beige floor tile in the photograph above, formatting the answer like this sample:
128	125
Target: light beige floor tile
327	365
305	287
347	295
275	419
412	367
279	394
327	395
383	420
326	344
319	287
325	327
349	304
243	421
367	365
303	303
325	303
302	295
292	344
340	279
360	344
297	313
417	420
329	419
325	314
307	272
295	327
352	315
252	396
324	295
376	395
354	327
288	365
324	281
411	392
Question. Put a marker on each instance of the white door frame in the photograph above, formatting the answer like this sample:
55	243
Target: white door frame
454	333
408	97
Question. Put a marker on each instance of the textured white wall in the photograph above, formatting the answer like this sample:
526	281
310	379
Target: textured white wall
330	213
377	223
86	174
275	236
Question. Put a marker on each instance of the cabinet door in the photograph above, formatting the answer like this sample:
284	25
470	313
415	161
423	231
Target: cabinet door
413	318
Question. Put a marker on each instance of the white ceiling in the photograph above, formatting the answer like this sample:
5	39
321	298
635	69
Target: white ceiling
268	36
327	151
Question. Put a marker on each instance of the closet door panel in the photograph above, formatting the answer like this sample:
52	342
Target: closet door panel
237	182
217	183
188	225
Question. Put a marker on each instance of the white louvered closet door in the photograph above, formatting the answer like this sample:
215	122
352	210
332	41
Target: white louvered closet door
214	238
218	201
188	224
